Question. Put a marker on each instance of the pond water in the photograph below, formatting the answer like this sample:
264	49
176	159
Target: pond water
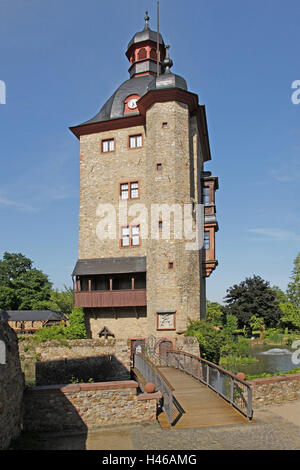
271	359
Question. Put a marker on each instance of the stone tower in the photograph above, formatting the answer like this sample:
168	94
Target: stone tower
142	264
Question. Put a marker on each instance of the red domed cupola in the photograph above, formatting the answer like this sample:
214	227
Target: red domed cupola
142	52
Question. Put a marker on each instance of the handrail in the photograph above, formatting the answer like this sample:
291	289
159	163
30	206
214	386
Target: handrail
151	374
155	368
233	392
212	364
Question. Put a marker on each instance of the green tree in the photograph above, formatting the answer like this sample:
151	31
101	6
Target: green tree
293	290
257	323
8	299
210	339
32	290
22	287
12	266
76	328
254	296
214	313
231	325
281	297
290	316
62	301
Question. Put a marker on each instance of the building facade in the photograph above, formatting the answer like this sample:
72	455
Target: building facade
142	265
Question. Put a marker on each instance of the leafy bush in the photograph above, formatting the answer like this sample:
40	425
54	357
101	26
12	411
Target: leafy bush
274	336
210	339
75	330
53	332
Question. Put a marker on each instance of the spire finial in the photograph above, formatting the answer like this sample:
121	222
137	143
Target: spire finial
167	62
147	18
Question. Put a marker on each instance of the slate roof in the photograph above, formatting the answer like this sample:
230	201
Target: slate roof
31	315
96	266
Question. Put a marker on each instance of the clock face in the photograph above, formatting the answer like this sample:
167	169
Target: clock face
132	103
166	321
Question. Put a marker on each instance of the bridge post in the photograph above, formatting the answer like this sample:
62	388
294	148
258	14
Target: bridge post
2	352
218	383
231	391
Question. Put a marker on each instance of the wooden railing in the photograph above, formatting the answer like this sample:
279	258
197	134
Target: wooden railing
152	374
111	298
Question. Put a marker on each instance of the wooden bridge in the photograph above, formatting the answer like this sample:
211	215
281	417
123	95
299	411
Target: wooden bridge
197	392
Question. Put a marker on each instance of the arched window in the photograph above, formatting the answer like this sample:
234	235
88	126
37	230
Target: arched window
142	54
153	54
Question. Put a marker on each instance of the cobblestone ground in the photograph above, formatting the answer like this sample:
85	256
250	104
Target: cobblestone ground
268	431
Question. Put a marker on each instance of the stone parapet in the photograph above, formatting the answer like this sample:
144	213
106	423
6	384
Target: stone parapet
275	390
86	406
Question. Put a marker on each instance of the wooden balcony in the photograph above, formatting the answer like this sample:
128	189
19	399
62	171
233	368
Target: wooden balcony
111	298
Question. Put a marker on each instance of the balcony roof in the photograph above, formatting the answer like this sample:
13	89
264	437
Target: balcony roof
133	264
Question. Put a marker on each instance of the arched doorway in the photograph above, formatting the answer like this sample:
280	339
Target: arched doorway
164	346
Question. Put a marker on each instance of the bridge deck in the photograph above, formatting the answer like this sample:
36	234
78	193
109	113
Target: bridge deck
202	406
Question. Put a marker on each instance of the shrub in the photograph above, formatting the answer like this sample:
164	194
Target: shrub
75	330
210	339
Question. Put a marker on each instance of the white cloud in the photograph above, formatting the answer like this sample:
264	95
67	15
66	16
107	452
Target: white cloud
275	234
16	204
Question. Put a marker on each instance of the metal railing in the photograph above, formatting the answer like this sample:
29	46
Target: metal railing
151	374
237	392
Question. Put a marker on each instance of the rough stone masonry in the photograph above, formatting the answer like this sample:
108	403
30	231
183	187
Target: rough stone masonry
11	387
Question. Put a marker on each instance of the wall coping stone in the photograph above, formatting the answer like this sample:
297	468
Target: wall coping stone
149	396
279	378
69	388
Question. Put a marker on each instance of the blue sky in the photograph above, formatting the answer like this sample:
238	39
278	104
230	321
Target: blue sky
61	60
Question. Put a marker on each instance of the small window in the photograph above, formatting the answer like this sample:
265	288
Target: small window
135	141
206	196
164	125
206	240
130	236
129	190
108	145
124	191
125	238
160	224
134	190
171	265
159	167
135	235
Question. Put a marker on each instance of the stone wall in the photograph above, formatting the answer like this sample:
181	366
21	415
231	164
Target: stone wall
57	363
11	387
86	406
275	390
52	363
